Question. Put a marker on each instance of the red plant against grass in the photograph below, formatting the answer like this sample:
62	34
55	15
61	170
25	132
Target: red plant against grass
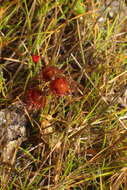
50	73
60	86
35	99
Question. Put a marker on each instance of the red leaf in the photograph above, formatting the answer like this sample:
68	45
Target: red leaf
35	58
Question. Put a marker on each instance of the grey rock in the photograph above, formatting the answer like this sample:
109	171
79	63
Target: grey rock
12	133
12	124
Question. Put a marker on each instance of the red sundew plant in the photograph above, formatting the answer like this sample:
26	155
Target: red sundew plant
60	86
49	73
35	99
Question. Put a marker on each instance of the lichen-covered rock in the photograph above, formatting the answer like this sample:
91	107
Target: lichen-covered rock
12	124
114	10
12	133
